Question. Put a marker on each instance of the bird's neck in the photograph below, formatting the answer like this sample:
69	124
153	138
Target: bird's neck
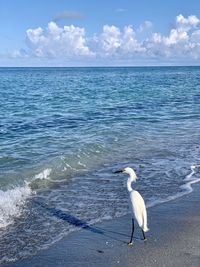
129	186
132	178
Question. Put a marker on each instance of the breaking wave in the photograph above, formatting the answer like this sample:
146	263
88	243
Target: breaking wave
11	204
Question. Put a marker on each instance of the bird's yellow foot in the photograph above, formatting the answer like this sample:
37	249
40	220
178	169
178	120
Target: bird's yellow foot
145	239
130	244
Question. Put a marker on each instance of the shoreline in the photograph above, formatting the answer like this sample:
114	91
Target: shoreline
173	240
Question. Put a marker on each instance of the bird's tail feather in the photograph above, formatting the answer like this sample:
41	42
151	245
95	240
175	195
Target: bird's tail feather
145	228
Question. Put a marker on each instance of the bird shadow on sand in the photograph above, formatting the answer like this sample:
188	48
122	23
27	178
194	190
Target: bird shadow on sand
71	219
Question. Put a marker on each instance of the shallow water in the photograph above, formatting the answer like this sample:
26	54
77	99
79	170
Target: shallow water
63	131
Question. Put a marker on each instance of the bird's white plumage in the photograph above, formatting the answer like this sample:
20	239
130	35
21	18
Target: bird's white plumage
137	204
138	209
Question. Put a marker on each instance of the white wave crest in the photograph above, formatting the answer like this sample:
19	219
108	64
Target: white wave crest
185	188
11	204
45	174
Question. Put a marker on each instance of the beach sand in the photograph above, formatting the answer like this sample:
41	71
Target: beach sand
173	240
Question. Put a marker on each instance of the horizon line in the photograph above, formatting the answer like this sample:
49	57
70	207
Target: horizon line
123	66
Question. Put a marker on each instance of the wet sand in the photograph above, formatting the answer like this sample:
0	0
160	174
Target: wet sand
173	240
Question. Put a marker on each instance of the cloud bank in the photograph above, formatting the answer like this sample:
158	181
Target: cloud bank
114	45
67	42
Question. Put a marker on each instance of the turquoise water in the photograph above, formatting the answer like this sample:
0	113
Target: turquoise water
63	131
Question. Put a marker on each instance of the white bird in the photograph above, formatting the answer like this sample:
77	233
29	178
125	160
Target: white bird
138	207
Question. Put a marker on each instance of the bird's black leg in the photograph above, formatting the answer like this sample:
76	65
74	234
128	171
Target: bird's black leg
144	235
133	228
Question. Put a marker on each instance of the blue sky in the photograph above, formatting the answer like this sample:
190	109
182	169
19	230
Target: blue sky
85	32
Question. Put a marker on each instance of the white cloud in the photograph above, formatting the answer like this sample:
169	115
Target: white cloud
191	21
182	41
145	26
125	45
129	41
195	36
35	36
178	34
66	42
110	39
175	37
115	43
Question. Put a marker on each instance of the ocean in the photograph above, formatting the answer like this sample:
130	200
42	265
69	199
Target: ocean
63	133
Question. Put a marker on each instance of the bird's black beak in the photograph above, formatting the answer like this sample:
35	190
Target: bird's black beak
118	171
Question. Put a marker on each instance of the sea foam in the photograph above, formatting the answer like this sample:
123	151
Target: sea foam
12	201
185	188
11	204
